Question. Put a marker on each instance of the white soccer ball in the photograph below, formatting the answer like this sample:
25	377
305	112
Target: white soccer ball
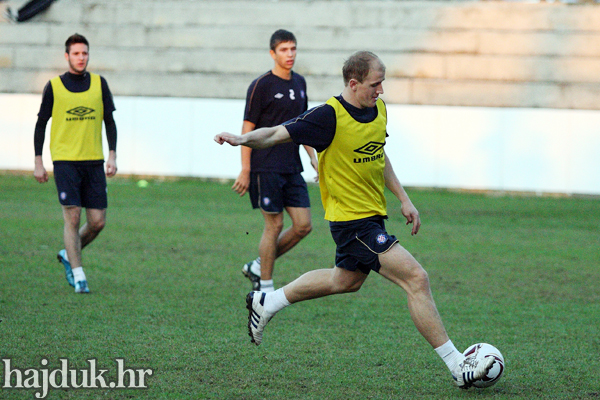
481	351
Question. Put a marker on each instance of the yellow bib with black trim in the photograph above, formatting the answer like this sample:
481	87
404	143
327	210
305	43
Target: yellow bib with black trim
76	133
351	169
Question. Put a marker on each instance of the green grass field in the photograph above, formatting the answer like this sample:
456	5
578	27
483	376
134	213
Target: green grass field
521	273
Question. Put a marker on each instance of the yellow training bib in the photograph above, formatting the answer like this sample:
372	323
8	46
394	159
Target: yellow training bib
351	168
76	133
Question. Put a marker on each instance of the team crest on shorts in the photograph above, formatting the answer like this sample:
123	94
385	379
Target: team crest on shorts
382	238
63	195
266	201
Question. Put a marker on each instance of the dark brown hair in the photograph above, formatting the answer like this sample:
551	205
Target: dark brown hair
73	39
280	36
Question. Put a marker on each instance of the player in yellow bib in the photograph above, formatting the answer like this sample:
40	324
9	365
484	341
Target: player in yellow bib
78	102
349	133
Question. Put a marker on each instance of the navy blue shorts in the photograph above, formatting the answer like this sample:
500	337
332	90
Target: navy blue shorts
272	192
360	242
81	184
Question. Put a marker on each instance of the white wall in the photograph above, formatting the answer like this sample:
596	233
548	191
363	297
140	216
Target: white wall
534	150
539	150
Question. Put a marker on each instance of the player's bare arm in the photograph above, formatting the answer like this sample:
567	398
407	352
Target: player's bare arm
314	161
242	183
258	139
408	209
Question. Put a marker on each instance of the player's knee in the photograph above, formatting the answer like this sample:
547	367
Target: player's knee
355	287
303	230
420	280
97	225
348	286
73	220
274	226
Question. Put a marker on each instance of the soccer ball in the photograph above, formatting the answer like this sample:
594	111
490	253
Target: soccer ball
480	351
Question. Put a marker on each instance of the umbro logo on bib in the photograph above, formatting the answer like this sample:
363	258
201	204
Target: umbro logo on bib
80	111
370	149
278	96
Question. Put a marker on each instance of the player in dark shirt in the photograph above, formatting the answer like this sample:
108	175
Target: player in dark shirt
271	98
273	176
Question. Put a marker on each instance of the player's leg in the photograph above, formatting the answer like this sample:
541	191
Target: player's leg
300	228
314	284
95	222
297	204
95	200
251	269
400	267
267	248
68	180
353	260
266	194
323	282
72	217
72	220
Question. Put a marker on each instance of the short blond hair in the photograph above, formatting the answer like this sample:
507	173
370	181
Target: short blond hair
358	65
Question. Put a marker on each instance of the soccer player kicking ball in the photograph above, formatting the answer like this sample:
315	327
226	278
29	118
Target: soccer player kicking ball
349	133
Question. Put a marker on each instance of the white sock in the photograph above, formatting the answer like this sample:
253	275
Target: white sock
276	301
450	354
267	286
255	267
78	274
66	256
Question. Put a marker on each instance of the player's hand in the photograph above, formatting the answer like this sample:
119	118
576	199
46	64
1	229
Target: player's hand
111	169
315	164
242	183
40	174
225	137
111	164
412	217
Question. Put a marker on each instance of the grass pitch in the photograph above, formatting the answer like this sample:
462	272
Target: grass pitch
521	273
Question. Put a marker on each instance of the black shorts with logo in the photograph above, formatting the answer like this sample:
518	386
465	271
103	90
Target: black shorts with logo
81	183
360	242
272	192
